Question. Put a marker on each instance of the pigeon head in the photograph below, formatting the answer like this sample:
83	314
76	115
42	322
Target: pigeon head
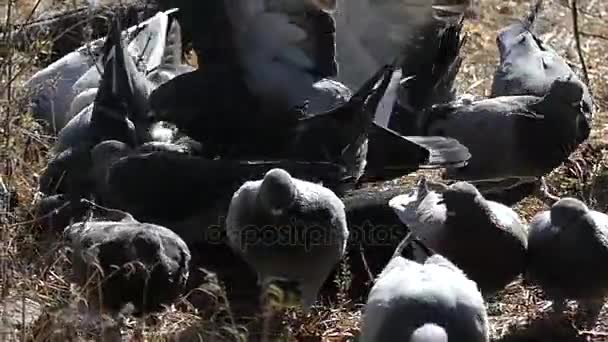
567	211
568	101
567	90
460	194
520	34
277	191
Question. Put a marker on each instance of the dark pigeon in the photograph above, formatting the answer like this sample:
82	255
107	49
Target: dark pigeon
430	66
530	137
427	301
69	167
143	264
120	96
146	49
52	90
567	252
487	240
288	230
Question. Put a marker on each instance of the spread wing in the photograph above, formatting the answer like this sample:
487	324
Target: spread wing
370	33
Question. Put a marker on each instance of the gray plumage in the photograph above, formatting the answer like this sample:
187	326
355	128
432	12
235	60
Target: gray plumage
370	34
567	254
52	89
157	51
487	240
432	301
107	119
530	135
278	53
159	262
289	229
528	66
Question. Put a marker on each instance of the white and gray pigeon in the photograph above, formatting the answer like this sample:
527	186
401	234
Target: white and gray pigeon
486	239
143	264
288	230
567	255
528	66
51	90
429	301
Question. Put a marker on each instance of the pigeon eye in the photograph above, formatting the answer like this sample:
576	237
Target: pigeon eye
522	39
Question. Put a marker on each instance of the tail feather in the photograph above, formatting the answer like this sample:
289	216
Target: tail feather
443	151
391	155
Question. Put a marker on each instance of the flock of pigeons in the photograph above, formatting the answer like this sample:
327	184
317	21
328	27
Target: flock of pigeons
266	140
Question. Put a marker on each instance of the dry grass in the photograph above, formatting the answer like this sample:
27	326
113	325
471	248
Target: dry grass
38	302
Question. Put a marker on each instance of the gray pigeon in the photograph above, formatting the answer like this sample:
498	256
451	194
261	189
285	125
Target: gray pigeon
159	44
487	240
288	230
146	50
530	137
51	90
567	255
432	301
528	66
141	263
68	169
121	96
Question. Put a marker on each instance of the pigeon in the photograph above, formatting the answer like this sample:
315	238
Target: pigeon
486	239
427	301
371	33
140	263
528	66
288	230
532	135
69	166
120	100
161	52
567	250
51	90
